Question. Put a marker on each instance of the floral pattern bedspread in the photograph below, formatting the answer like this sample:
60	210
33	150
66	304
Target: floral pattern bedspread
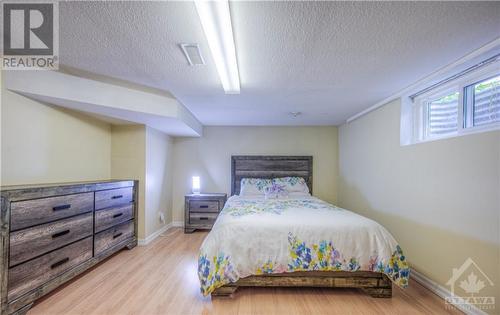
255	236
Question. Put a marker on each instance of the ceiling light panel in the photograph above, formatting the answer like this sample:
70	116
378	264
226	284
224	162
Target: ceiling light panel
216	22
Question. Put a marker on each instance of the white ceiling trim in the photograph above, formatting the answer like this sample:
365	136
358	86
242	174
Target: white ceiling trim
437	75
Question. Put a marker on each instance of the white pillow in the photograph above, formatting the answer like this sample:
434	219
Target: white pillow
254	186
292	185
275	190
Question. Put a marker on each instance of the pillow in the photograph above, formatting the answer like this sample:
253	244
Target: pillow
254	186
292	185
275	190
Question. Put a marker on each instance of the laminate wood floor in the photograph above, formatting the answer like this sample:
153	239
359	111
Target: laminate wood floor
161	278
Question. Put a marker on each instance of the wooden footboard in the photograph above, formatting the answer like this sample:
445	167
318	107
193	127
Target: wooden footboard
373	283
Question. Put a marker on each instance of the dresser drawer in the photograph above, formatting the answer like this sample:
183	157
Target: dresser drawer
201	218
31	242
108	238
113	197
32	274
204	206
112	216
37	211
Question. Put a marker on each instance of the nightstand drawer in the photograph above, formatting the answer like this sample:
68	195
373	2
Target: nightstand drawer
202	218
203	206
201	210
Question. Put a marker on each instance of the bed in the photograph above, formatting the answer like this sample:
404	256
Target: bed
295	240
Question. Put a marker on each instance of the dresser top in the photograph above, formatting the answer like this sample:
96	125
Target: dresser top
20	192
43	185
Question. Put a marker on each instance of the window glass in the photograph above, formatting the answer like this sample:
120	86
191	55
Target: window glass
486	101
443	115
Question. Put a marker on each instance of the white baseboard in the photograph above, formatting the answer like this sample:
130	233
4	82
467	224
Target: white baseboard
443	293
150	238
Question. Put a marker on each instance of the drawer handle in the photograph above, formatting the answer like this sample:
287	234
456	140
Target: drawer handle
204	206
118	215
61	207
117	197
60	233
203	218
117	235
59	263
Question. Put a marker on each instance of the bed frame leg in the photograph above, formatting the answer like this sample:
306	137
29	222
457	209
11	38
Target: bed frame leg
380	292
226	291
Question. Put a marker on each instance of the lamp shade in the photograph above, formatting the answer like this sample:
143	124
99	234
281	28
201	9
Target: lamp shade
196	184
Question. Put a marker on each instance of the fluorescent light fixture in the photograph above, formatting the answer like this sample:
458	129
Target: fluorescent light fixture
196	184
216	22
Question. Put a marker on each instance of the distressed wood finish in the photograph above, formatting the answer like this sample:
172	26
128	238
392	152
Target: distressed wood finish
111	237
25	192
110	217
201	210
39	239
38	211
28	298
113	197
4	251
269	166
31	274
23	310
373	283
204	206
203	218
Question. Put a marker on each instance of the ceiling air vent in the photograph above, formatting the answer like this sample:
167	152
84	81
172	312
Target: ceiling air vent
193	54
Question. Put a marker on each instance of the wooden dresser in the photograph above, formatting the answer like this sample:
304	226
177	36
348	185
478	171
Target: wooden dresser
201	210
51	233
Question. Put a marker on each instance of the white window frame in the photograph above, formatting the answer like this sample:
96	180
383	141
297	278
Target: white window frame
423	104
419	106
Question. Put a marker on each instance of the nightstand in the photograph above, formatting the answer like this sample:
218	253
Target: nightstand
201	210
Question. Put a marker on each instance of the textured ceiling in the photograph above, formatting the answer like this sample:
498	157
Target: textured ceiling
328	60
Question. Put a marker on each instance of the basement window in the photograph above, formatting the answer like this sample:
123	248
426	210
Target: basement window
483	102
442	114
466	104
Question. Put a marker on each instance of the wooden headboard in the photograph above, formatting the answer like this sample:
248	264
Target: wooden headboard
269	166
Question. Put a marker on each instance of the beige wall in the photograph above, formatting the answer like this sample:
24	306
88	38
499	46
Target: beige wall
128	160
441	199
42	143
144	153
210	157
46	144
158	179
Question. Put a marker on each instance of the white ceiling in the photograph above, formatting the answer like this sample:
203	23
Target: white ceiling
328	60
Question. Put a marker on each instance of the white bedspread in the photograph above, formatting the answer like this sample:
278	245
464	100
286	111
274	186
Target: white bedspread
255	236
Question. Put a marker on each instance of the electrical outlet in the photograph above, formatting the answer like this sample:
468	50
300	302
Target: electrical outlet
162	217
